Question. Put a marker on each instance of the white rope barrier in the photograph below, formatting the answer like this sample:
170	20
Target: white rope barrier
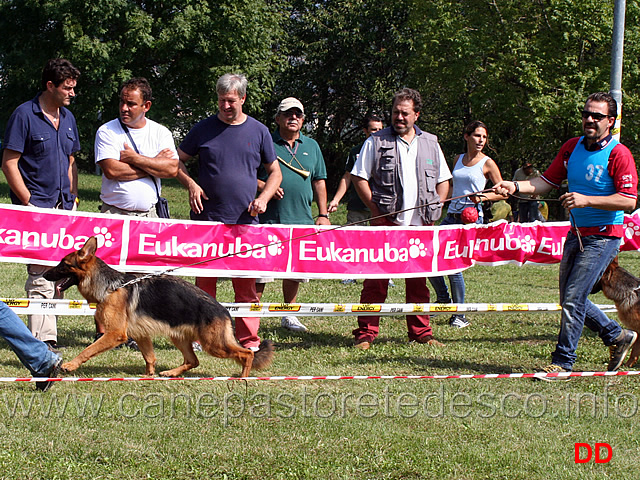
330	377
79	307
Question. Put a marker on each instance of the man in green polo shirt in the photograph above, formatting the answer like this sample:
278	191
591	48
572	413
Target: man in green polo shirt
303	178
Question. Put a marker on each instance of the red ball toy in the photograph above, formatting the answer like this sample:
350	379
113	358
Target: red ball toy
469	215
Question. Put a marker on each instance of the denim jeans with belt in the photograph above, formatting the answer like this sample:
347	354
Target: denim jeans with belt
579	271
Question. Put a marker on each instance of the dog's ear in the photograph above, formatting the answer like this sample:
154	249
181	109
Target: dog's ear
598	286
606	276
89	248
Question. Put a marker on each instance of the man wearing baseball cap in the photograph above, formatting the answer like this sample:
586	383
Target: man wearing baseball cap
303	178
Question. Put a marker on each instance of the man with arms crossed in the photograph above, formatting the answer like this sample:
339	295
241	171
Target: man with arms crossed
134	153
602	184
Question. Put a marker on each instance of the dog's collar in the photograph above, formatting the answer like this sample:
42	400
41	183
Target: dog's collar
139	279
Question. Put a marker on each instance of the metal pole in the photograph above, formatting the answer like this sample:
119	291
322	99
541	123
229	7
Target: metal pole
617	47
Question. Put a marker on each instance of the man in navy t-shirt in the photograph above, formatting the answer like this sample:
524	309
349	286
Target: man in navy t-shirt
230	146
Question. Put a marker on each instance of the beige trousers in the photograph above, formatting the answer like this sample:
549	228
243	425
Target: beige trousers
43	327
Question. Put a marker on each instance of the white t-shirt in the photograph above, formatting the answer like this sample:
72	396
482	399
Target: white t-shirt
408	154
133	195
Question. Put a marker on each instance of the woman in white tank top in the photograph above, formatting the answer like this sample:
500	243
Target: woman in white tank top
470	174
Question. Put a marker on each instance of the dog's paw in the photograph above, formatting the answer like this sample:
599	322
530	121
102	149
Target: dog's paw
69	367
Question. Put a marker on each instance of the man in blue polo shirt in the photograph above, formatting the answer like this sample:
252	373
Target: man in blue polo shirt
38	160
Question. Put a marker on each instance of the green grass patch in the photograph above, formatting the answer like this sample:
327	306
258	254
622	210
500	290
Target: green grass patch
373	429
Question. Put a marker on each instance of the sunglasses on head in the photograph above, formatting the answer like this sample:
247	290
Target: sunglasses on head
596	116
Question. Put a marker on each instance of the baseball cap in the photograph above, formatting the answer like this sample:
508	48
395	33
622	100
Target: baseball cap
289	103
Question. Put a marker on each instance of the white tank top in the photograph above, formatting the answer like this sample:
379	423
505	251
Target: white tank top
467	180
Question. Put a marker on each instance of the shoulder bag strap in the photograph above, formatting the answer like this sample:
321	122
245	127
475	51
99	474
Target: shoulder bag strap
135	147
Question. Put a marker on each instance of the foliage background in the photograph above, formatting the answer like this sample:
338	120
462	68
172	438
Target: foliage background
524	68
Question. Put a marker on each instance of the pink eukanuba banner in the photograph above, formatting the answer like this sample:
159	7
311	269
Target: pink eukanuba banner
133	244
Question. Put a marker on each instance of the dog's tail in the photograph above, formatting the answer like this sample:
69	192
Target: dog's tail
263	357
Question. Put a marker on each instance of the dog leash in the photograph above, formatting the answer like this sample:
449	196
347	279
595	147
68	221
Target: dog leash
280	242
573	219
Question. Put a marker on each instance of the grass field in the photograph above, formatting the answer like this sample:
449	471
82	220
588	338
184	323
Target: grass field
363	429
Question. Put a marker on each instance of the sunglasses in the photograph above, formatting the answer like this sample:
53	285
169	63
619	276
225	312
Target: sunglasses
596	116
292	113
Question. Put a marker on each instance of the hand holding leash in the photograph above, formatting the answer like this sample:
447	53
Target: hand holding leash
573	200
506	188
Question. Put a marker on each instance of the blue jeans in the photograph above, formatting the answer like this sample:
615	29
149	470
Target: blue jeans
456	280
34	354
579	271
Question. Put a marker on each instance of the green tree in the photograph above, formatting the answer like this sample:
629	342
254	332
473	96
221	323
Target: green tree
524	68
181	46
345	58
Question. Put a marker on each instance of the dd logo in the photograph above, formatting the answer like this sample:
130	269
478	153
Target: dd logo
590	452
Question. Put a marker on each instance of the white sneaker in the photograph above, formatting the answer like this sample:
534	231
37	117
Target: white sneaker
196	346
458	322
292	323
391	283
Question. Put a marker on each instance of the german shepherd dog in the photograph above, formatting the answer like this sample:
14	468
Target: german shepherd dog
623	288
157	305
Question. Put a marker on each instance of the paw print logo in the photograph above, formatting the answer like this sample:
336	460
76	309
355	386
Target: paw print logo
275	246
528	244
103	236
417	248
631	230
